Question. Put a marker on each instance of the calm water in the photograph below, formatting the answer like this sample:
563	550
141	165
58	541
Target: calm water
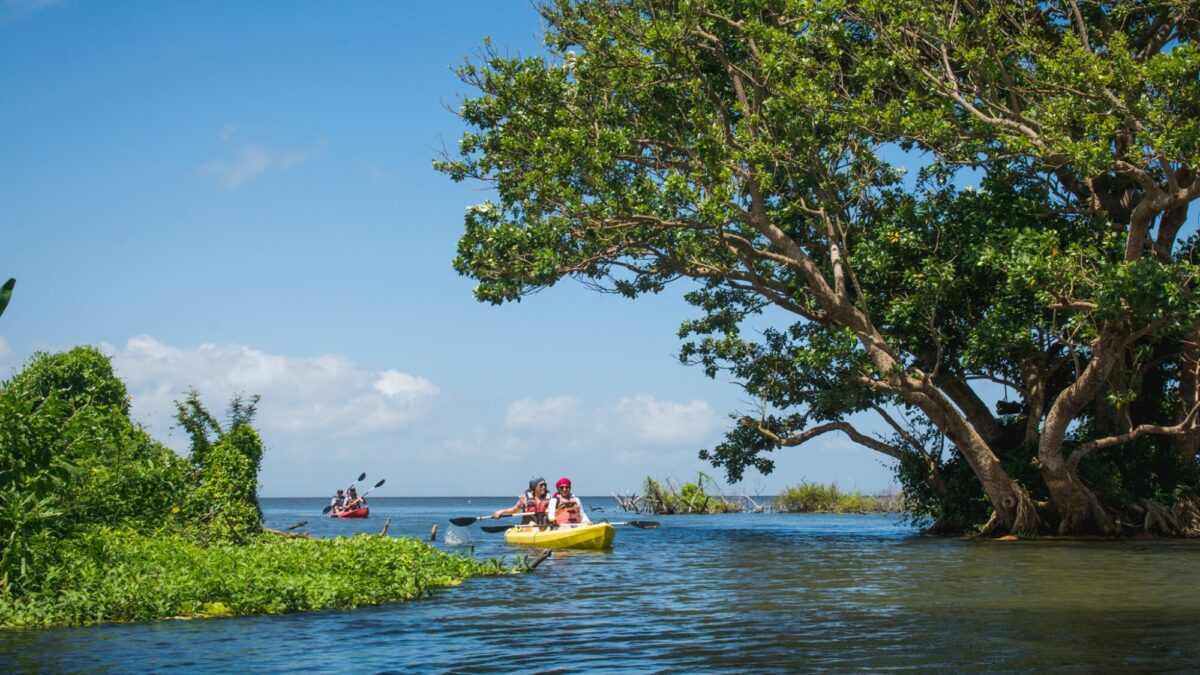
731	593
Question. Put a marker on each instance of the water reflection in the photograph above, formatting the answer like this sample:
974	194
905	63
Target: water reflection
731	593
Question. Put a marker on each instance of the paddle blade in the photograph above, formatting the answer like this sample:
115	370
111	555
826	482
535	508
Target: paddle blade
464	521
327	509
381	481
496	528
361	477
645	524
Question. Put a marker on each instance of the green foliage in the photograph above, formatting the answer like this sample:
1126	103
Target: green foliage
120	575
961	507
689	498
202	427
741	144
81	377
223	504
100	522
1152	471
71	458
126	478
225	501
32	471
6	294
816	498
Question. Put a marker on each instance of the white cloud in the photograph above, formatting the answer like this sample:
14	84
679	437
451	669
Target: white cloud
666	422
327	393
252	160
393	383
551	413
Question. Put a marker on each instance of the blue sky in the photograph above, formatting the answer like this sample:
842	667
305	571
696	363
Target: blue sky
239	197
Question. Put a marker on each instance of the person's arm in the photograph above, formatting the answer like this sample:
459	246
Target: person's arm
509	511
583	517
550	509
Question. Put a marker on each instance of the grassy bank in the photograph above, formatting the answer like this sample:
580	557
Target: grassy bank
113	575
816	498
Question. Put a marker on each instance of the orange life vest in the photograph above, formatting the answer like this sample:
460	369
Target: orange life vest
567	511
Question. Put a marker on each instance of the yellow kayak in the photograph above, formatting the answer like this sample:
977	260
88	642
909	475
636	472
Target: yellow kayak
594	536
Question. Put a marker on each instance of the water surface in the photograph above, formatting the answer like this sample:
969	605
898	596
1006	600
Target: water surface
729	593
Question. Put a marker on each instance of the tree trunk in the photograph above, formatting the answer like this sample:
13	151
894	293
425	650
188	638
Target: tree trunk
1078	508
1013	510
1188	444
1035	399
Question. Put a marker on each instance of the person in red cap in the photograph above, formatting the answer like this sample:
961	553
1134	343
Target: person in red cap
565	508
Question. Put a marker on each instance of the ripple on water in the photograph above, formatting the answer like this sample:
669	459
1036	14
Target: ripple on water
735	593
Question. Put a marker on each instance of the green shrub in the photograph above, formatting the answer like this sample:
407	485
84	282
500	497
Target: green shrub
82	377
100	522
70	457
223	502
816	498
691	498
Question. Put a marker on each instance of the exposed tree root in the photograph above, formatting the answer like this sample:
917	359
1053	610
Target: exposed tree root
1187	512
1025	517
1159	519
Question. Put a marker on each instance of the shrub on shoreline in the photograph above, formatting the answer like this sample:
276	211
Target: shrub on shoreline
100	522
816	498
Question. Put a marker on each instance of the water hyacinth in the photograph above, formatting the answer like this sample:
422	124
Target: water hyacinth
119	575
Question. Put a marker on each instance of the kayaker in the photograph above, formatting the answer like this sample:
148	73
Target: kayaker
353	501
565	509
338	502
532	502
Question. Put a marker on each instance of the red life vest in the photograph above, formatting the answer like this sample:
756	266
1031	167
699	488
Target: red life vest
567	511
534	507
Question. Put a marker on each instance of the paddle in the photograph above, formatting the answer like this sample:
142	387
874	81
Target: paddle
361	498
467	520
361	477
381	482
642	524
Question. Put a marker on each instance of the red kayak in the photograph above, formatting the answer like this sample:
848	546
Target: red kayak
356	513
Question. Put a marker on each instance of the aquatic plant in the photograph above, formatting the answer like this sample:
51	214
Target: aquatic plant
111	574
817	498
664	498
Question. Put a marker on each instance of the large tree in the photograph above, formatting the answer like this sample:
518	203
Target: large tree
743	145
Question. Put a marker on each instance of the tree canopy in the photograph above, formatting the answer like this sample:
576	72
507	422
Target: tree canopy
753	147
